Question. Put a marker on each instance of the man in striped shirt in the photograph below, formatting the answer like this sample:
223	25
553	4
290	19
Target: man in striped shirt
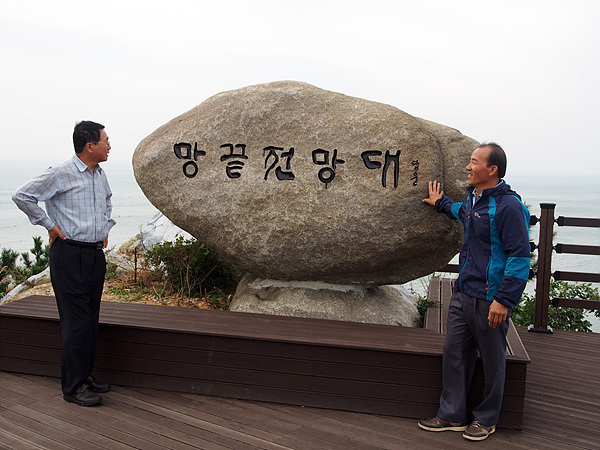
78	204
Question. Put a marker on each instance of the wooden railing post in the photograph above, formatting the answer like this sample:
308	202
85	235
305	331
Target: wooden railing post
542	287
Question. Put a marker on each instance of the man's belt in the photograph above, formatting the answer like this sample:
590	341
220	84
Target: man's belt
97	245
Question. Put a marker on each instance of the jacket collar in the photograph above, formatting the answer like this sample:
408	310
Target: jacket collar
499	189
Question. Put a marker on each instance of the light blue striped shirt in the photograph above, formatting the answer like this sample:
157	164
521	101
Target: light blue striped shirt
77	200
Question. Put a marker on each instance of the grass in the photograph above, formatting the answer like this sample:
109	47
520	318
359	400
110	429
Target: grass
148	288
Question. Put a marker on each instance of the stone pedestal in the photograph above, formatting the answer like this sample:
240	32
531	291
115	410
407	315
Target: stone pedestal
383	305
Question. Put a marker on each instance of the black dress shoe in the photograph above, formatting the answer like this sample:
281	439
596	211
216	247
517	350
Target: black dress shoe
95	386
83	396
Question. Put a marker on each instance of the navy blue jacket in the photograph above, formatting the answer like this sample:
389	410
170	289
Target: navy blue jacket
495	257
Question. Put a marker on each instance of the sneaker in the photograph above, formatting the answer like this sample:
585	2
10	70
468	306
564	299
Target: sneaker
477	431
437	424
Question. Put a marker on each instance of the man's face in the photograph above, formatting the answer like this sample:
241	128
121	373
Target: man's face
479	175
102	148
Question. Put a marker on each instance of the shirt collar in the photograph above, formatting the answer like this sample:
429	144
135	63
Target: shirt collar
81	166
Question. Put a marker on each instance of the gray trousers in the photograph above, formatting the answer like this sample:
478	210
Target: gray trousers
468	332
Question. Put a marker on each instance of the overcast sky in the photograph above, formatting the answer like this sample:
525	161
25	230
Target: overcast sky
523	73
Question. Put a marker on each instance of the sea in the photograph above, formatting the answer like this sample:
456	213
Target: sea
574	195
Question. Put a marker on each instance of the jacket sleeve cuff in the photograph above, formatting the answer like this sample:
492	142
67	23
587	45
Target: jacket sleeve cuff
504	302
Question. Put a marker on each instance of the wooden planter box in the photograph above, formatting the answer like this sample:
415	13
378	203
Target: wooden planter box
320	363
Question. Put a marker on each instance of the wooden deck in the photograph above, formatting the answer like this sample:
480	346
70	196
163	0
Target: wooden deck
562	411
344	369
296	361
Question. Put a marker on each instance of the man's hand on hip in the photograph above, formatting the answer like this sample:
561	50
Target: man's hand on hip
54	233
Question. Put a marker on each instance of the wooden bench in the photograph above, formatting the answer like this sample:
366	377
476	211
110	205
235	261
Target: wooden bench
322	363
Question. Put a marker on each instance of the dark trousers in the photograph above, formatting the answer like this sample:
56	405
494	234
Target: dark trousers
468	332
77	275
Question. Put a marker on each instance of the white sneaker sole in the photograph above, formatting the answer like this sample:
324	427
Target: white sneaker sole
458	428
479	438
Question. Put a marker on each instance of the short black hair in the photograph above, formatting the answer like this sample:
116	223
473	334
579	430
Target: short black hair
84	132
497	158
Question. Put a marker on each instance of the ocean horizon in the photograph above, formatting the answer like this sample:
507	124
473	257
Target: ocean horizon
574	196
131	209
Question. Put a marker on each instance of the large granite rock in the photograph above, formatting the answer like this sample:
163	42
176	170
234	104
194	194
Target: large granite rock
160	229
290	182
33	281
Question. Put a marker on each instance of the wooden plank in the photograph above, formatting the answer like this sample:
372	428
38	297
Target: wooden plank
440	290
576	276
577	249
446	292
434	314
575	303
592	222
432	319
235	325
514	345
563	389
449	268
260	421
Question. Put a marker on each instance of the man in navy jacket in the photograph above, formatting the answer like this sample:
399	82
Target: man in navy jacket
494	266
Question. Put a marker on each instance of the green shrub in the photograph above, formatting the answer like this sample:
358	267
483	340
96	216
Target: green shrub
422	304
10	267
111	271
4	281
559	318
218	299
190	267
41	260
8	258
